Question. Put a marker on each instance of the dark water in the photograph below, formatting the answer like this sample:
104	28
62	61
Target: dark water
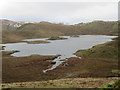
65	48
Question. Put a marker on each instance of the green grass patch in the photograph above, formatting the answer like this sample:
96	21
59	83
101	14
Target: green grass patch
4	53
116	71
113	85
106	50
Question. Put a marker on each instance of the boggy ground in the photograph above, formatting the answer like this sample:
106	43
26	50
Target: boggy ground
99	61
87	67
30	68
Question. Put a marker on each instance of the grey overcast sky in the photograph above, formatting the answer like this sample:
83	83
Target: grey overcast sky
60	12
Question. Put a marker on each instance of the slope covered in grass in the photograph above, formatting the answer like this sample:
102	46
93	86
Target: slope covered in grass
106	50
115	85
59	84
47	29
98	27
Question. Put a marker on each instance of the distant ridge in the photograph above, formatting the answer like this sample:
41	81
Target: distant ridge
23	30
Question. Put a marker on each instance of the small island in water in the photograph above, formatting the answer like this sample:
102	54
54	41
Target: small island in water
66	45
57	38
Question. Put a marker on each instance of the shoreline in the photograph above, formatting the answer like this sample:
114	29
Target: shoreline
76	68
19	41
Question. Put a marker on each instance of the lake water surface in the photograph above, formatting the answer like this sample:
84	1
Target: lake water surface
66	48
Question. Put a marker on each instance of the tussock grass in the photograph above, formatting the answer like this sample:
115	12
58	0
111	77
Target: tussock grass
70	83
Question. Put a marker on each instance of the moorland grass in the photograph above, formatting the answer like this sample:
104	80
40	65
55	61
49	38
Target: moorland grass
115	85
30	68
46	29
106	50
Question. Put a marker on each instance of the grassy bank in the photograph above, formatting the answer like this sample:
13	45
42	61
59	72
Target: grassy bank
107	50
75	73
29	68
2	47
63	83
47	29
8	53
114	85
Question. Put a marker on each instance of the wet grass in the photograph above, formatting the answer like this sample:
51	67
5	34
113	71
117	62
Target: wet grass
7	53
112	85
30	68
63	83
106	50
87	67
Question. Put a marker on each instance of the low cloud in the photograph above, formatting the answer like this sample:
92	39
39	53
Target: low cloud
59	12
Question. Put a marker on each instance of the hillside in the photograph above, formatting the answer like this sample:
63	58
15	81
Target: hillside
37	30
8	30
10	25
12	32
46	29
98	27
107	50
